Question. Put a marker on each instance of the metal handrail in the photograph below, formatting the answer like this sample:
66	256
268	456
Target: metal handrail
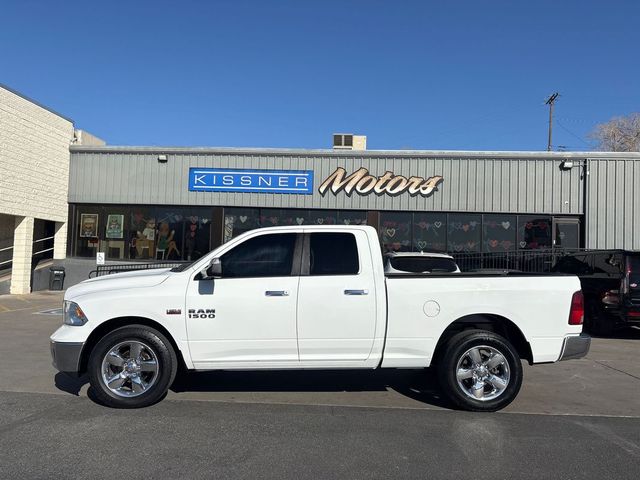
43	239
6	261
42	251
6	248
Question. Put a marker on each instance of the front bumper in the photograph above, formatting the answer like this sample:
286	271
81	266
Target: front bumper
66	356
575	347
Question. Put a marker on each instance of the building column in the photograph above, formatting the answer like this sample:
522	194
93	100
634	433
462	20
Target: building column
60	241
22	255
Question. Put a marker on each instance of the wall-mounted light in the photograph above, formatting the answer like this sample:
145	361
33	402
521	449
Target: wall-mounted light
566	165
162	159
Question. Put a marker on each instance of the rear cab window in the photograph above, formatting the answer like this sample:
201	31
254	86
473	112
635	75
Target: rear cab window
423	264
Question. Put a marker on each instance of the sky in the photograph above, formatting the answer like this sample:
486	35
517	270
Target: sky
456	75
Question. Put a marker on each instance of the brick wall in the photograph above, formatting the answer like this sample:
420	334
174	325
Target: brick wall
34	159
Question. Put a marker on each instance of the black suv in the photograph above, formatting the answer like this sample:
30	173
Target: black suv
611	285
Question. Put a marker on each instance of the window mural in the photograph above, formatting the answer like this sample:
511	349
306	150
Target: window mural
430	232
464	232
499	233
534	231
395	231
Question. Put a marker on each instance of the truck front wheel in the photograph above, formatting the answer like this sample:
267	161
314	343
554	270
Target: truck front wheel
132	367
480	371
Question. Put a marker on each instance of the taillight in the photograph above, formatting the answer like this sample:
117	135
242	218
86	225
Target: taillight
576	314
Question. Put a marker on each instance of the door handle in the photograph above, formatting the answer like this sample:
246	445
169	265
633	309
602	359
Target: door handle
356	292
277	293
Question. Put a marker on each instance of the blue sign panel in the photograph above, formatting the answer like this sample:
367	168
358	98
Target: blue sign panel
250	181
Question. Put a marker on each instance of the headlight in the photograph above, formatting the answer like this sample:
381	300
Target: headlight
73	314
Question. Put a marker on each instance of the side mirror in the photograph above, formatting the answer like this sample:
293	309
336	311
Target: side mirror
213	270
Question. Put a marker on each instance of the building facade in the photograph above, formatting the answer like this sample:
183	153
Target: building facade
34	181
178	203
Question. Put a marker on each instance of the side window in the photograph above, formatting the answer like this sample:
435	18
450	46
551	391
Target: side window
261	256
333	254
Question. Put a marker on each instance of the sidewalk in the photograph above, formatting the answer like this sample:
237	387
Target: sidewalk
36	300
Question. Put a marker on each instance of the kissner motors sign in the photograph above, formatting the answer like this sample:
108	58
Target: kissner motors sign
250	181
363	183
301	182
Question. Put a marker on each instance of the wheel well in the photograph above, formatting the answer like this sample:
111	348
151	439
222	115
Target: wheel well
101	330
493	323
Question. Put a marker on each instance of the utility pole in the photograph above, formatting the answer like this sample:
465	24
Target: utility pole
550	101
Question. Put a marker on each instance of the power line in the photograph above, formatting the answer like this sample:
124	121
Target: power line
571	133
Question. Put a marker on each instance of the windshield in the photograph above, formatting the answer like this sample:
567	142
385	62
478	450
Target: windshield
424	264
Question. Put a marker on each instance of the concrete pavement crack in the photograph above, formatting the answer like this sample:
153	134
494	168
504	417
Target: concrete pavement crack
616	369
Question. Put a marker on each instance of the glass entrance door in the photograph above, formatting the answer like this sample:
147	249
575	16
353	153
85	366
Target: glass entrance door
566	233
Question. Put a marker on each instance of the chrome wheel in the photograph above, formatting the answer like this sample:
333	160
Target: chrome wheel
130	368
483	373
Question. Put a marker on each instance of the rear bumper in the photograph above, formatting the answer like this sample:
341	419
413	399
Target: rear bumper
575	347
66	356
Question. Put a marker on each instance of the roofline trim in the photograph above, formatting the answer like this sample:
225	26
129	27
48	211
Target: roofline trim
353	153
36	103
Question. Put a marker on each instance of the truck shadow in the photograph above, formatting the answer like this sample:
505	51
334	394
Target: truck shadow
420	385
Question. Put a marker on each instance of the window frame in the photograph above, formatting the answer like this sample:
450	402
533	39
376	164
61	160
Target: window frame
305	267
295	261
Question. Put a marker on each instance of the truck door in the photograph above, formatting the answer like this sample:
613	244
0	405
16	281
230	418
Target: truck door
336	297
248	315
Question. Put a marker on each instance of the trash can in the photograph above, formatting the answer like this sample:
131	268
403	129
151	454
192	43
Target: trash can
56	278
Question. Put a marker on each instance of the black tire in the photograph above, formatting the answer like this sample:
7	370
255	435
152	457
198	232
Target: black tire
154	342
455	351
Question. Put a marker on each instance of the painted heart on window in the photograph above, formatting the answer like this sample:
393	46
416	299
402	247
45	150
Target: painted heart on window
437	224
422	244
391	232
506	225
465	227
273	220
523	244
493	243
346	221
243	218
299	220
205	220
473	224
458	248
320	221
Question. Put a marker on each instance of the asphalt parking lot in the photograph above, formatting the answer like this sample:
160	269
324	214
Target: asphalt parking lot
575	419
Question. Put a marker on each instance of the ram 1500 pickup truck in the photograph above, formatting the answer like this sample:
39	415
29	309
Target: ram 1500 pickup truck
314	297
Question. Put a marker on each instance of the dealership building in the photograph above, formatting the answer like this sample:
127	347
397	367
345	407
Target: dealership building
141	203
66	196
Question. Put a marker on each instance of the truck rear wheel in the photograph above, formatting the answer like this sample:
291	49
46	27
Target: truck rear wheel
132	367
480	371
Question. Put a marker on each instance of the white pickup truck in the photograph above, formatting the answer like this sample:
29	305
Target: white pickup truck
314	298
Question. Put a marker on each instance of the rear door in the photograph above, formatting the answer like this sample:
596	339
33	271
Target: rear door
336	297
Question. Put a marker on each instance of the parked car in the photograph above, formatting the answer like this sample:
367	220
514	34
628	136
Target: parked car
314	297
611	285
419	262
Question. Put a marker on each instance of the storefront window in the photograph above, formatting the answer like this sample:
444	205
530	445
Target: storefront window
88	223
464	232
395	231
429	232
322	217
239	220
352	217
534	231
499	233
